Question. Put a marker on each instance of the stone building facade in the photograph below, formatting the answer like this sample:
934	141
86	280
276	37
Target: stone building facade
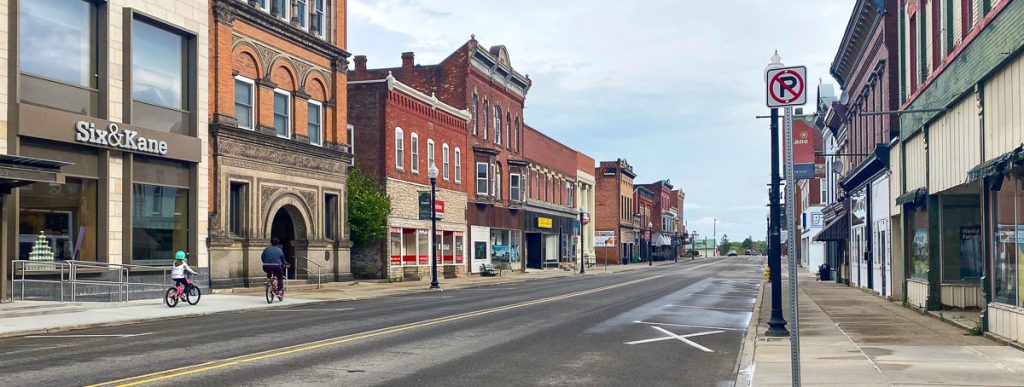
400	133
92	84
586	185
279	138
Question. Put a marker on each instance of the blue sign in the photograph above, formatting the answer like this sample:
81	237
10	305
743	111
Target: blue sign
803	171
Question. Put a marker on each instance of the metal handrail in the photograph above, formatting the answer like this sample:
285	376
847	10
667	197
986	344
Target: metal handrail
68	276
308	272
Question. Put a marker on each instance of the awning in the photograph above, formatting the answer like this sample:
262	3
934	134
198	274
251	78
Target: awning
18	171
876	162
913	196
996	166
662	240
836	230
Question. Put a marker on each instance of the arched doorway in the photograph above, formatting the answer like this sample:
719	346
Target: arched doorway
283	228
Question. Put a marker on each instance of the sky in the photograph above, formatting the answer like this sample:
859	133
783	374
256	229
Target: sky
672	86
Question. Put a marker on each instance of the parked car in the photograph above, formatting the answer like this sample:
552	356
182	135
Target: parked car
732	253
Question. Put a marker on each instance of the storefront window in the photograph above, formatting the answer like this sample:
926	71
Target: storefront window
65	213
961	237
918	236
158	65
159	221
505	248
1008	208
396	246
423	243
460	252
57	40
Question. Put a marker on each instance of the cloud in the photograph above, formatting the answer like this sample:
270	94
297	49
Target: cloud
672	86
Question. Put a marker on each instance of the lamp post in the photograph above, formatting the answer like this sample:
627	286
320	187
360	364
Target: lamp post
432	174
583	263
650	251
693	244
776	324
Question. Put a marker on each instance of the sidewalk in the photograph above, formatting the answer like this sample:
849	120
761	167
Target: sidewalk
853	338
22	318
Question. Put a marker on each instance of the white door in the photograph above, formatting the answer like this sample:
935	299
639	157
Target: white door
479	247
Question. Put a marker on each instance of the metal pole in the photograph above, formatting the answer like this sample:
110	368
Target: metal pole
794	295
433	234
776	324
583	263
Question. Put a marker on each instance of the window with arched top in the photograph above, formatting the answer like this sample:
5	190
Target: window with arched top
476	114
414	144
508	130
497	124
445	162
399	149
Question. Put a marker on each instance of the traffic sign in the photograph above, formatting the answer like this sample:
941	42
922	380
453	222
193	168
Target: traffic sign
787	86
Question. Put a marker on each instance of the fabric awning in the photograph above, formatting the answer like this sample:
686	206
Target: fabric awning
996	166
913	196
836	230
662	240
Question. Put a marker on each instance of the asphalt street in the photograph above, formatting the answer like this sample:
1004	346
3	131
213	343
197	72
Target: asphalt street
670	325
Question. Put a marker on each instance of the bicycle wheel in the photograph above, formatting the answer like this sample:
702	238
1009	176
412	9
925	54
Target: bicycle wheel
171	297
270	291
193	295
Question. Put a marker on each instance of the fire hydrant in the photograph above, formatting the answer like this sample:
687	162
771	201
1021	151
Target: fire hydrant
767	272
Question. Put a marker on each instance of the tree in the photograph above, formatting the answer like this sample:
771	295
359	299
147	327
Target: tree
748	244
368	208
724	246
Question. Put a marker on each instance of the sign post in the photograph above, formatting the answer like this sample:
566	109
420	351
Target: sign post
787	87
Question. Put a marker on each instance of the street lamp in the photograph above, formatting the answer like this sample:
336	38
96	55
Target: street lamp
693	244
583	263
650	239
776	324
432	174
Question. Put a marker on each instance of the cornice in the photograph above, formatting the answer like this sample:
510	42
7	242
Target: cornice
431	100
227	11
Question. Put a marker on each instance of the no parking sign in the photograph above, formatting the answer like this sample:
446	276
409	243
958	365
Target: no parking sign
787	86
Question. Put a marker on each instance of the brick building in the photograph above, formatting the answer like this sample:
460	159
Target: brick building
644	221
616	222
400	133
483	81
550	210
279	137
665	220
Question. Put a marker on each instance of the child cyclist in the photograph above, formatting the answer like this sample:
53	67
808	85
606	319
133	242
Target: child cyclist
178	271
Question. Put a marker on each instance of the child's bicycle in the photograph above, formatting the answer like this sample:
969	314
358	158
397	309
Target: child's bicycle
271	287
191	293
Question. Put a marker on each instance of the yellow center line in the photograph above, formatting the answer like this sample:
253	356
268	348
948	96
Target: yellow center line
212	365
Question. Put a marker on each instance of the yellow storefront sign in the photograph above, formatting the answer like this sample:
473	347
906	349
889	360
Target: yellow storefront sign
543	222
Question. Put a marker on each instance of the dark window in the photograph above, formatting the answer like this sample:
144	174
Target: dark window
331	216
58	40
236	207
159	66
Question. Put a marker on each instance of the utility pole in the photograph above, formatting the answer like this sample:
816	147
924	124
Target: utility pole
714	232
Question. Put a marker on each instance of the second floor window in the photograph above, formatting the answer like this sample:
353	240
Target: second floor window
458	165
515	187
158	66
486	118
58	40
245	100
352	143
317	23
314	126
399	149
430	153
481	179
446	163
415	144
282	113
301	13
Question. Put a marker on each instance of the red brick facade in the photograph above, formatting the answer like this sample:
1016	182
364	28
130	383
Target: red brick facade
614	203
553	167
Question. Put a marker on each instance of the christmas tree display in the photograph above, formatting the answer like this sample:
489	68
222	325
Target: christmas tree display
41	252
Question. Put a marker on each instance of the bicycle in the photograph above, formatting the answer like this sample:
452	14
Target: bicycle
190	293
271	287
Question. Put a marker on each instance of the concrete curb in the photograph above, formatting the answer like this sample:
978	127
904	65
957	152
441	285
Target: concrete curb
745	360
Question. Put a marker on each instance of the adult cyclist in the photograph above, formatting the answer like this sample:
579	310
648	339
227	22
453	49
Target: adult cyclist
274	263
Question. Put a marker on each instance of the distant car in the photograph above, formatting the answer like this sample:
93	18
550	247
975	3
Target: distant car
732	253
749	252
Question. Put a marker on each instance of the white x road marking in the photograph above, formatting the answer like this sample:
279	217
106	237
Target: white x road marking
682	338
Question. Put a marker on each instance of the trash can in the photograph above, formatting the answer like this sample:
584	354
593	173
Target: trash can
824	272
625	260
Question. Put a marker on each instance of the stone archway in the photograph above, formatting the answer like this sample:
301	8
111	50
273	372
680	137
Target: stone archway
289	226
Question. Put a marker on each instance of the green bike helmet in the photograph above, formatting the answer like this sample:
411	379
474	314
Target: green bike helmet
180	255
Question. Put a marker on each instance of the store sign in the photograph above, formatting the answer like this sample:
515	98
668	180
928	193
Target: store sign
114	137
424	200
543	222
604	239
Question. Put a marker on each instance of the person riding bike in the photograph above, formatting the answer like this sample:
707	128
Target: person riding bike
178	271
274	263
